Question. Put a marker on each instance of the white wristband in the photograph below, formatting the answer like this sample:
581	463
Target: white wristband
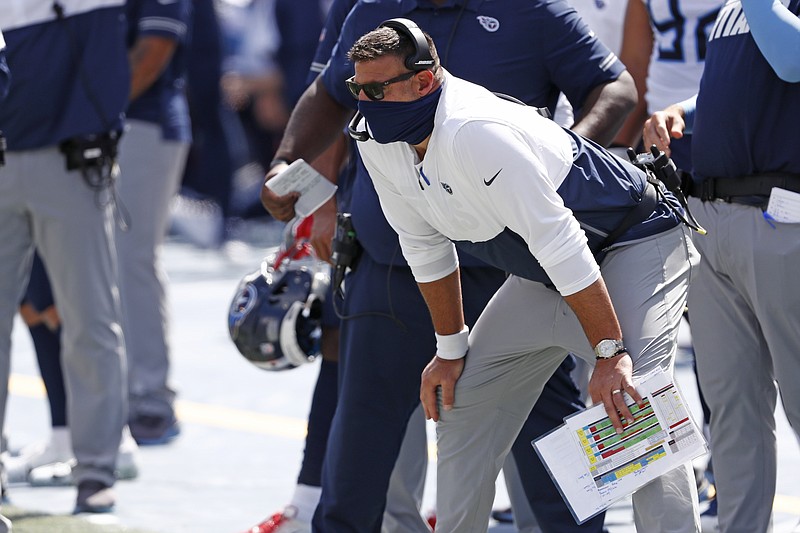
453	346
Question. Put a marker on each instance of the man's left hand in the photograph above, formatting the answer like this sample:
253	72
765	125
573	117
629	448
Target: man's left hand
439	373
611	379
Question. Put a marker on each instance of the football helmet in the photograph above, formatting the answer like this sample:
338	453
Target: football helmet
275	318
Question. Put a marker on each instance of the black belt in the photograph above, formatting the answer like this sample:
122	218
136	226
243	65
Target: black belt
729	189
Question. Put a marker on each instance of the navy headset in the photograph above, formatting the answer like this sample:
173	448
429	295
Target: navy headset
421	59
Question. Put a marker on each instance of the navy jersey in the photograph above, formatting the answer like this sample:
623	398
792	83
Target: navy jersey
530	49
485	42
747	117
70	75
164	102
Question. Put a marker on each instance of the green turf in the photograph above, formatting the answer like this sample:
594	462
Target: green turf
25	521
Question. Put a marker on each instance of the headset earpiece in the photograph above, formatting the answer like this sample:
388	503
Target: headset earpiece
355	133
421	59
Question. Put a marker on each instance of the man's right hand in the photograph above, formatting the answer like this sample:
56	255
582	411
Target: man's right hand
280	207
439	373
611	379
663	126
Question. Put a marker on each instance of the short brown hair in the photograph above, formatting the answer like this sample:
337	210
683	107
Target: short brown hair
385	41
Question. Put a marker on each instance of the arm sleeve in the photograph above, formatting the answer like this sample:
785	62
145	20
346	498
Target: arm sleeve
576	59
330	34
167	20
776	31
430	254
360	20
524	199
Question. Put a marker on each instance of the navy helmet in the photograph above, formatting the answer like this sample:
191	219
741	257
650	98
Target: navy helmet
275	318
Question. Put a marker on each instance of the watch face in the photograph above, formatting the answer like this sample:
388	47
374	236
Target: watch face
607	348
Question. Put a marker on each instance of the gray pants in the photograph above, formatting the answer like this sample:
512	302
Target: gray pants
520	339
407	484
151	173
524	519
744	306
43	205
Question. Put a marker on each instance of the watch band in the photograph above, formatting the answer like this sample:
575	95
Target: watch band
609	348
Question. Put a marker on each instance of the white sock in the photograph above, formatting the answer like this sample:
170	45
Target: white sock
60	440
305	500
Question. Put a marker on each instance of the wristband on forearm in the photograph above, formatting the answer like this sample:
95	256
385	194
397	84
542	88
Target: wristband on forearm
278	161
451	347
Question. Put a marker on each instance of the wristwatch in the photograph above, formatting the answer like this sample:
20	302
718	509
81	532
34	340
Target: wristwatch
608	348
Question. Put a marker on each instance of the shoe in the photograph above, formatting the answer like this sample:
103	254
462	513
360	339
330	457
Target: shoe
3	478
5	523
504	516
59	473
706	491
153	430
52	475
197	220
94	497
431	520
709	523
283	522
128	457
56	450
704	477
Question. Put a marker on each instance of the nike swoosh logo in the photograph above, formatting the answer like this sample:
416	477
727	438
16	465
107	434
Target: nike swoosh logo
490	181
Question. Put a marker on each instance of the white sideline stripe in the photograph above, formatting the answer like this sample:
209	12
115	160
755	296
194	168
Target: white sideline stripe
195	413
786	504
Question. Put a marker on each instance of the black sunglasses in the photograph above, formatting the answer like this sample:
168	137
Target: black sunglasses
374	90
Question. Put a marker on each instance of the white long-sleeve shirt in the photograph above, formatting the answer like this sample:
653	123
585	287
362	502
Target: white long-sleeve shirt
490	165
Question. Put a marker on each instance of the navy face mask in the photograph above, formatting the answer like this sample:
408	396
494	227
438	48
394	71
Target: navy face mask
409	122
